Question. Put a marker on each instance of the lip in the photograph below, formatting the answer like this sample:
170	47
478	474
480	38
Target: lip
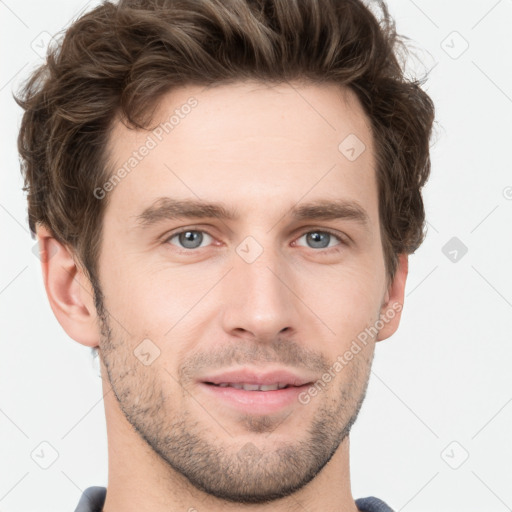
256	402
249	376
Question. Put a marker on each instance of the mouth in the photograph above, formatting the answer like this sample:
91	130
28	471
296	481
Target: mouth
256	380
255	392
251	387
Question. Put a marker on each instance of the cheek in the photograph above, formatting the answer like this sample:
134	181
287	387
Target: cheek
162	301
152	300
346	299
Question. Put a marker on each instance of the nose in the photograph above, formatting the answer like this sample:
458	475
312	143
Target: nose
260	300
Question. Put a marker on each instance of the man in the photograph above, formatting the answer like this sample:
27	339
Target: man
225	194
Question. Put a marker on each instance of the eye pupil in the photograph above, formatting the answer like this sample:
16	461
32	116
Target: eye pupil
191	237
316	238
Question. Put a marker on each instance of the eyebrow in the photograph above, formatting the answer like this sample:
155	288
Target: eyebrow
168	208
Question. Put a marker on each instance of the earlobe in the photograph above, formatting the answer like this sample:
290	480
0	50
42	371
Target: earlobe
391	310
69	291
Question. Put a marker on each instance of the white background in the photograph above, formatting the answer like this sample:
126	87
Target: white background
441	388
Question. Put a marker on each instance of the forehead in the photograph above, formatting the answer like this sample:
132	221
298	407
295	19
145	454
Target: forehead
251	145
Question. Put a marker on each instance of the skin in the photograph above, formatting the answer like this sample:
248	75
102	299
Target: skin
262	150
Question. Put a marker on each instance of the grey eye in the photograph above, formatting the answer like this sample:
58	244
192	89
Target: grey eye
190	239
319	239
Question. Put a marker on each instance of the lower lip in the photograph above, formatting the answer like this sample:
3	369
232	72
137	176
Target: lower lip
256	402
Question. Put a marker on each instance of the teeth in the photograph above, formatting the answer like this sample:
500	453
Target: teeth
250	387
253	387
269	387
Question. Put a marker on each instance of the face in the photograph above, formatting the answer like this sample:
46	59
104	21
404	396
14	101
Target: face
241	257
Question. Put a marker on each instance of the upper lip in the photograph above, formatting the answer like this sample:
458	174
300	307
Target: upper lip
259	377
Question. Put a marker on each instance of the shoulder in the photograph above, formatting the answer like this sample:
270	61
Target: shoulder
92	499
372	504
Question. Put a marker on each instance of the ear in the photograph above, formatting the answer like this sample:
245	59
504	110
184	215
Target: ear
391	310
68	289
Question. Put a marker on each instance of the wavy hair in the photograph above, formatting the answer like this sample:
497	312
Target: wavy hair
120	59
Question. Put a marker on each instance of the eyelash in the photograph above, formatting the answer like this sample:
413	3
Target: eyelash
328	250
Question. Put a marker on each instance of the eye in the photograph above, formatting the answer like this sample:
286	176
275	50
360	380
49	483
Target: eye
320	239
189	238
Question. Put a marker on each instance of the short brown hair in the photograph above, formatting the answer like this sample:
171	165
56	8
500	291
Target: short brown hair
119	60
